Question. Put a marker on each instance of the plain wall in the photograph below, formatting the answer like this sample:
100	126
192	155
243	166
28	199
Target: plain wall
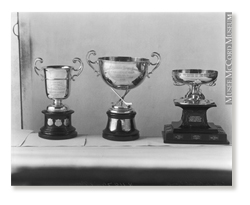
15	77
184	41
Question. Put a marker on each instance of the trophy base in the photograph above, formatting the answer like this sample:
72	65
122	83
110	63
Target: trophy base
171	135
57	126
193	127
121	127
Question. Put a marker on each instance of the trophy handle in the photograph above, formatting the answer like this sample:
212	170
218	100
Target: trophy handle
79	69
92	52
38	70
177	83
155	64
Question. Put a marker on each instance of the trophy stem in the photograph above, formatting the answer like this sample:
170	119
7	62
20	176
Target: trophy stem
195	90
57	102
57	106
194	94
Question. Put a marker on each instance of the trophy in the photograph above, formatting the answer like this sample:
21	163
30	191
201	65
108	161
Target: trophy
57	123
122	73
193	127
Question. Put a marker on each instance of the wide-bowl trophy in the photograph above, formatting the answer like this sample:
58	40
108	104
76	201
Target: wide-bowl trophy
122	73
57	123
193	127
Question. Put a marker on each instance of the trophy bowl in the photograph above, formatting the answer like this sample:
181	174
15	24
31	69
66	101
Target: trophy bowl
57	84
194	78
123	73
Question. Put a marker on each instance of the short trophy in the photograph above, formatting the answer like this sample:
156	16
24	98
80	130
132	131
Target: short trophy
57	123
122	73
193	128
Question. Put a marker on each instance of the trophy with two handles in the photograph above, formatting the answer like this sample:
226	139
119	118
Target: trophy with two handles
122	73
57	78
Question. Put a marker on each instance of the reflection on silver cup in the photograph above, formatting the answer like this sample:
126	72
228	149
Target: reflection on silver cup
194	78
122	73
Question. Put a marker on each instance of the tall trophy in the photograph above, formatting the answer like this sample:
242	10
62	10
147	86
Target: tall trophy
193	128
57	123
122	73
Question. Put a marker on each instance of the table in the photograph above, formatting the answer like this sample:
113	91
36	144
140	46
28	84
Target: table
92	160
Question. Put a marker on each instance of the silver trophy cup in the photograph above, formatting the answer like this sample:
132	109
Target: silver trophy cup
122	73
194	78
57	87
193	127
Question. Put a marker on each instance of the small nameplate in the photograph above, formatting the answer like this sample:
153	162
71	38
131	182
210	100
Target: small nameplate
58	122
196	137
195	119
66	122
178	137
213	138
50	122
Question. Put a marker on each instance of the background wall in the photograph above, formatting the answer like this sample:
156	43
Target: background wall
15	77
184	41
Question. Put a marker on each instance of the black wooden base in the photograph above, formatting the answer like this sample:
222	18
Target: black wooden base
194	136
57	126
193	127
121	127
